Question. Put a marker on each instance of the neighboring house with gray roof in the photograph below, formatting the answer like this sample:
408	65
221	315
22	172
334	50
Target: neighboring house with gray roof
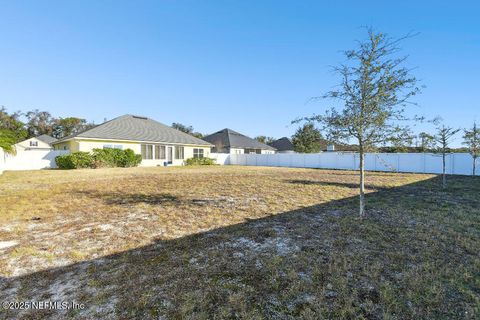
158	144
229	141
42	142
283	145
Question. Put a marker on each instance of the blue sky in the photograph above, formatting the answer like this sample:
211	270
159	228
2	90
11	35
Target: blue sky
248	65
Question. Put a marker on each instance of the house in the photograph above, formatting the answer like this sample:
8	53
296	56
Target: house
158	144
283	145
42	142
229	141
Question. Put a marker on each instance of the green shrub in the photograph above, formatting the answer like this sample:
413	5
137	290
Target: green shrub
115	158
64	162
131	159
75	160
99	158
199	162
82	159
106	157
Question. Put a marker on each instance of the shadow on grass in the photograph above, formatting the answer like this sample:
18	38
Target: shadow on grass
412	258
152	199
335	184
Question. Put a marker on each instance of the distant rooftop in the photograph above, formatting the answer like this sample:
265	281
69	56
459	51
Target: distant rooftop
231	139
283	144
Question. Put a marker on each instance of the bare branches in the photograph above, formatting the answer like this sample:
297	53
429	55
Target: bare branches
443	136
442	139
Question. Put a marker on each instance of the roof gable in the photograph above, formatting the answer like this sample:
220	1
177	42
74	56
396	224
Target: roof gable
283	144
46	138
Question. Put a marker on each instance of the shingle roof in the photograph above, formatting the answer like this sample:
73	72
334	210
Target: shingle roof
232	139
283	144
136	128
46	138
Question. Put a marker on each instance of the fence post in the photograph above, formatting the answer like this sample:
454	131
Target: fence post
424	162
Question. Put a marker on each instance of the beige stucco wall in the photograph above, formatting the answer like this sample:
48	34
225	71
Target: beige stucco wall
71	145
89	145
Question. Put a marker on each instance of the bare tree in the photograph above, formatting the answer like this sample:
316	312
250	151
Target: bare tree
39	122
471	139
374	90
442	138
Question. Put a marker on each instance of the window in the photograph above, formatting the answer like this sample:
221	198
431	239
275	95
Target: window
198	153
147	151
253	151
159	152
178	152
109	146
33	143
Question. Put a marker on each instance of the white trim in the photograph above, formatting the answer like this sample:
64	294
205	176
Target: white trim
135	141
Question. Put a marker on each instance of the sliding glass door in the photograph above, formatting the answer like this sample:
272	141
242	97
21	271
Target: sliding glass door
169	154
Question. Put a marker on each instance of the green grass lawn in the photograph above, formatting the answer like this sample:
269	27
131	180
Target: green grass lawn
239	242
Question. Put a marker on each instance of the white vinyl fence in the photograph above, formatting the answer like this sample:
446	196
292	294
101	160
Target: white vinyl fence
29	159
2	161
221	158
456	163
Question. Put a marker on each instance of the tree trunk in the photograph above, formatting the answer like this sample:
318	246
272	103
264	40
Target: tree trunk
362	183
444	176
474	165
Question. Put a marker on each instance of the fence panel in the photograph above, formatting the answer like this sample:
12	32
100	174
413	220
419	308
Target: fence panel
221	158
312	160
463	164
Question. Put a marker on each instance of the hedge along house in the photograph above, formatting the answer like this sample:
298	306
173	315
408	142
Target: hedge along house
158	144
229	141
